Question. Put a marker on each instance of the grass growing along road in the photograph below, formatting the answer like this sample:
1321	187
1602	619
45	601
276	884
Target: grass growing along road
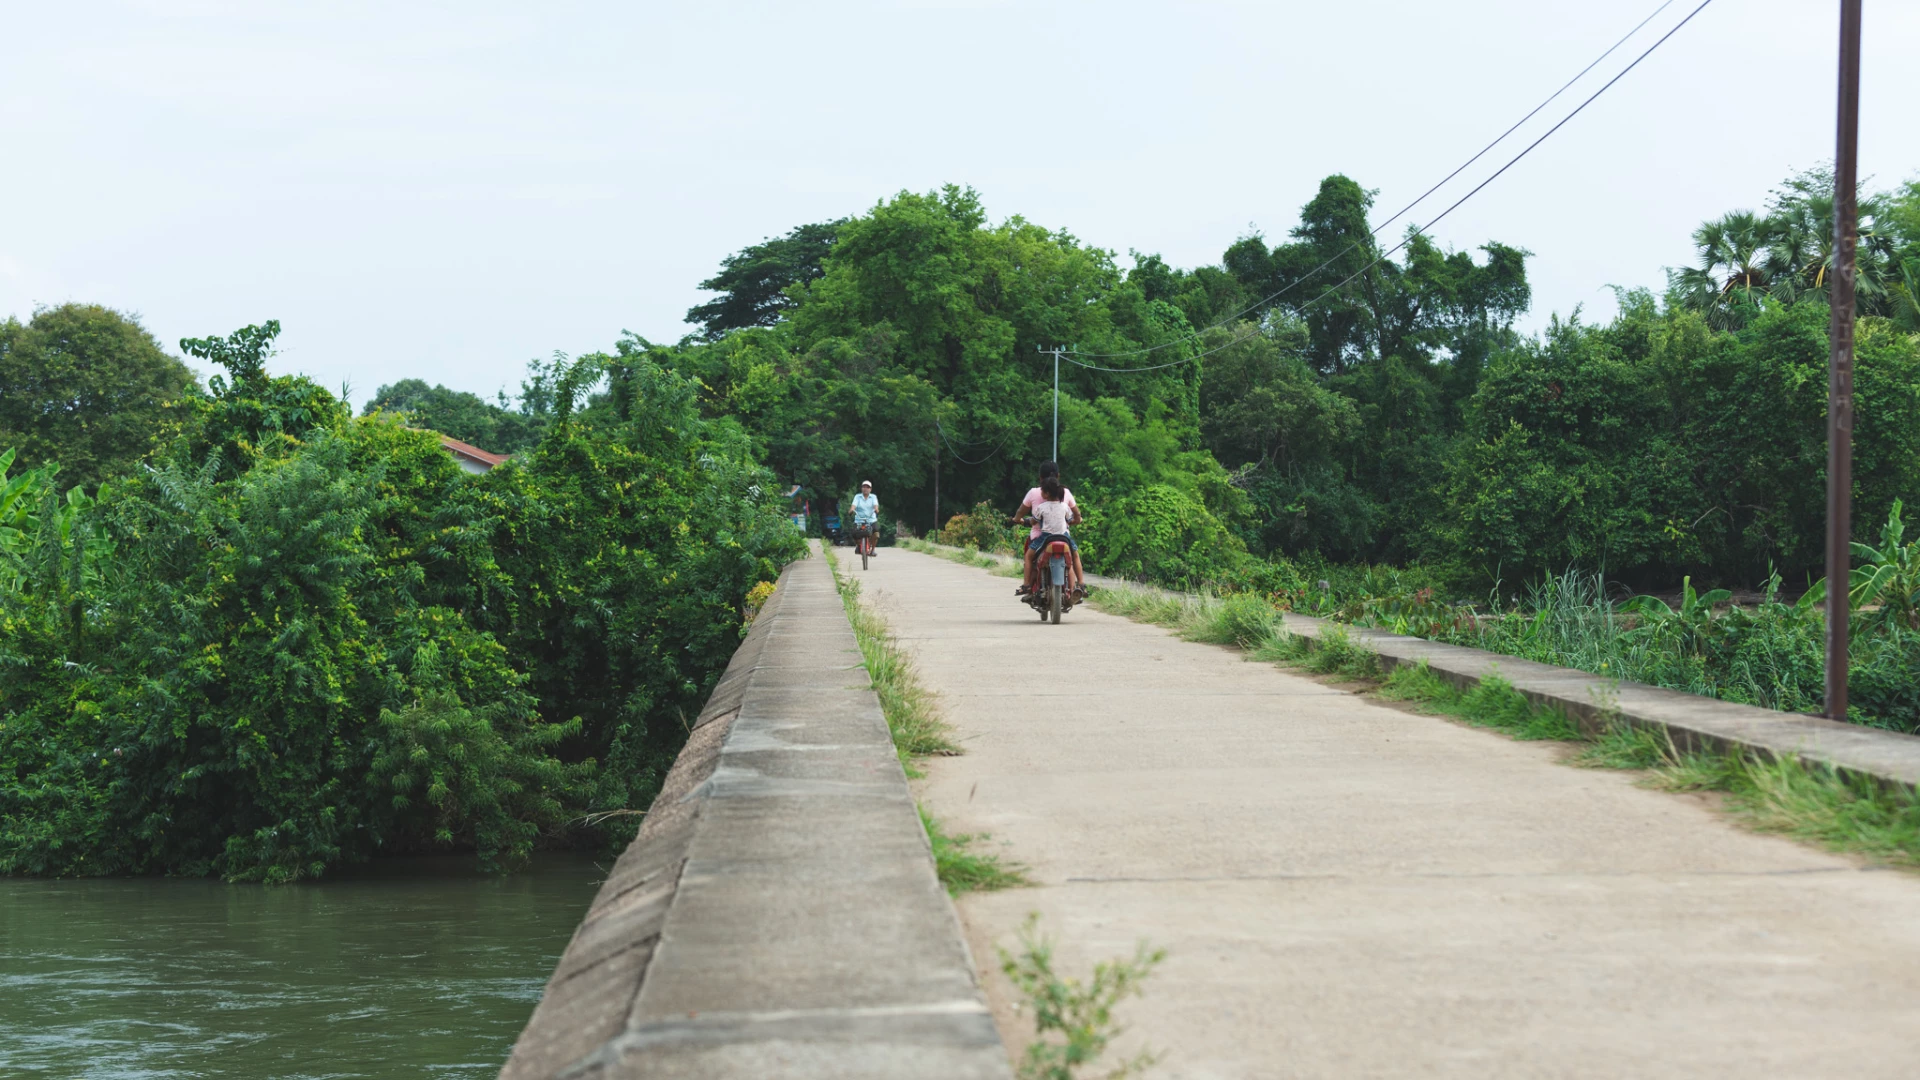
911	716
1006	567
918	731
1807	801
963	870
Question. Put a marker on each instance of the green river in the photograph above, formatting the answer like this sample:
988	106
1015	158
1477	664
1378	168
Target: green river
407	968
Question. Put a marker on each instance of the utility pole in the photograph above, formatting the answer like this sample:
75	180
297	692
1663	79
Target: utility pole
936	489
1056	351
1840	362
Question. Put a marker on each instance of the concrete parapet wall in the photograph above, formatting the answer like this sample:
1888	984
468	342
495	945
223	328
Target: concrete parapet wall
1694	722
778	914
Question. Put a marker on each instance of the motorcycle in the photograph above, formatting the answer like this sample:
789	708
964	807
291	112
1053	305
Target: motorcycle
1054	595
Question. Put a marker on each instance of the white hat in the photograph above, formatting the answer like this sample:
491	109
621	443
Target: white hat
866	483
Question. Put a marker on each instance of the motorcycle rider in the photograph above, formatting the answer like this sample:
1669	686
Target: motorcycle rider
866	512
1069	508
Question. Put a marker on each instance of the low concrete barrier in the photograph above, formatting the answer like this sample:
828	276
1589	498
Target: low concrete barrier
1693	722
778	914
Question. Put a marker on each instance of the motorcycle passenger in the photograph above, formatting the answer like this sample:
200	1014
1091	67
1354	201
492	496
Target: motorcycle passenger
1064	514
866	513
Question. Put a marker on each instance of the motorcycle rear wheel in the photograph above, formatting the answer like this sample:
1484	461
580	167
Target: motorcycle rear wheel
1054	600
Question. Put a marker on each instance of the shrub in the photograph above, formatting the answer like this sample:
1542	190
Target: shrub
983	528
305	639
1162	534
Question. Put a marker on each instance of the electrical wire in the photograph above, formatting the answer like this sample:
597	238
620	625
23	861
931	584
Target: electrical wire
956	453
1419	230
1304	278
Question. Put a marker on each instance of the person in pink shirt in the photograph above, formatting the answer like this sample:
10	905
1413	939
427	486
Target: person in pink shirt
1066	511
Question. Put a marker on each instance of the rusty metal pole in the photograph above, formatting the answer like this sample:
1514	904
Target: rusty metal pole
1840	362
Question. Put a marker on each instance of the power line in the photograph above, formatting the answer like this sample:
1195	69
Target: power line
1304	278
1421	230
956	453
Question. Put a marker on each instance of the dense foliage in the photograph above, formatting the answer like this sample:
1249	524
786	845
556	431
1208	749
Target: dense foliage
1311	400
498	426
244	632
85	387
299	638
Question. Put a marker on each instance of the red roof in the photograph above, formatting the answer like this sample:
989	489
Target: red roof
472	452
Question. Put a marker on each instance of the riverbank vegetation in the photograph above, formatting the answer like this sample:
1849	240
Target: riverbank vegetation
290	638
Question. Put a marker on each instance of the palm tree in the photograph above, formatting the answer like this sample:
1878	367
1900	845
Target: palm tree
1732	276
1800	258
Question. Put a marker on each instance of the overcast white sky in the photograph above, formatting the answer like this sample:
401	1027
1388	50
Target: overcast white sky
447	190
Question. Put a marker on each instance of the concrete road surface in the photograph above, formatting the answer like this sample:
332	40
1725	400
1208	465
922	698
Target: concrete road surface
1348	890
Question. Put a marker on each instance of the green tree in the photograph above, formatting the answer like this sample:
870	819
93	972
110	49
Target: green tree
87	387
491	426
753	283
304	639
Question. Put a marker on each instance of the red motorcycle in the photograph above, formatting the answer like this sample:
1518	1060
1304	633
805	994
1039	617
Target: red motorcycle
1053	595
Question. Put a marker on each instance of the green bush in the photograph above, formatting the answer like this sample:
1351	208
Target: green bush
305	639
1161	534
983	528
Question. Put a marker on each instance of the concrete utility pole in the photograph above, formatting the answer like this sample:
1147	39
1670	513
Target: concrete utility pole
936	488
1840	362
1056	351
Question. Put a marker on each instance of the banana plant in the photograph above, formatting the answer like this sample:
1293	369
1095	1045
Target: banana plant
17	504
1691	623
1888	579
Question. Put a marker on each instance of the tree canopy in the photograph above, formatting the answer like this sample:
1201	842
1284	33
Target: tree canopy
86	387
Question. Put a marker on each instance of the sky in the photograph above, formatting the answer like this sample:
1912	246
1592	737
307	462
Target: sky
446	191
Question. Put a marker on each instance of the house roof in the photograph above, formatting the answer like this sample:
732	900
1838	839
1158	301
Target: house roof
471	452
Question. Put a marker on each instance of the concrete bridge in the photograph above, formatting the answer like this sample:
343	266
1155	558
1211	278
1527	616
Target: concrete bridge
1344	888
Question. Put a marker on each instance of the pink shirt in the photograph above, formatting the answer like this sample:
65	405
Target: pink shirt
1034	498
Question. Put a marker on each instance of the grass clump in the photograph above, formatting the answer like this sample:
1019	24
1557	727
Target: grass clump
1073	1020
1811	802
1244	620
1334	653
1623	746
912	717
962	870
1140	604
1490	703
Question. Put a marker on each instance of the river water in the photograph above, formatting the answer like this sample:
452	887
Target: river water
407	968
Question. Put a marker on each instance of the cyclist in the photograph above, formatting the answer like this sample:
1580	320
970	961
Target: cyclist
866	516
